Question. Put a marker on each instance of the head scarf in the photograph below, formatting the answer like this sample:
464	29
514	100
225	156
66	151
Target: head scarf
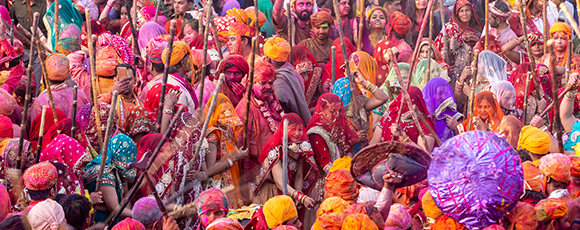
372	212
339	67
139	120
523	217
501	88
48	122
228	5
556	166
399	22
40	177
366	65
196	59
241	30
5	204
306	65
278	210
211	200
6	130
429	207
332	204
294	121
7	103
146	13
440	101
561	27
68	151
107	60
96	28
550	209
129	224
341	184
340	132
264	71
67	15
491	66
148	31
5	15
154	96
518	79
533	178
87	116
120	45
252	14
404	68
399	218
341	163
321	19
504	16
180	49
57	67
492	40
73	32
178	27
495	113
277	49
534	140
408	126
68	45
228	89
231	120
511	128
421	76
434	51
225	224
575	166
358	221
121	152
46	215
474	24
329	221
154	55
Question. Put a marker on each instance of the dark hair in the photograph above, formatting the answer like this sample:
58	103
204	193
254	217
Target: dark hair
249	40
409	10
534	195
76	209
194	24
16	222
176	67
557	184
124	65
277	63
40	195
502	6
524	155
351	12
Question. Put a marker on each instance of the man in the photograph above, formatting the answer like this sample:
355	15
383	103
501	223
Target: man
319	46
399	26
39	180
76	210
147	212
240	39
62	92
303	9
392	6
235	67
180	8
155	64
289	86
499	13
536	142
556	169
265	115
561	33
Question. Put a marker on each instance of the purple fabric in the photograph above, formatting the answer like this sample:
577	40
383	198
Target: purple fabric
435	92
149	31
476	178
228	6
161	20
84	116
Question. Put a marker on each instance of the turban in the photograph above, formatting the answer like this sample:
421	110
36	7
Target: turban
154	55
46	215
6	130
252	14
128	224
341	163
358	221
57	67
241	29
211	200
366	194
7	103
557	166
321	19
340	183
224	224
329	221
277	49
429	206
494	227
498	13
523	217
196	58
533	178
278	210
234	60
446	223
40	177
178	26
534	140
107	60
550	208
332	204
399	218
240	15
561	27
400	23
370	210
264	71
180	49
68	45
575	166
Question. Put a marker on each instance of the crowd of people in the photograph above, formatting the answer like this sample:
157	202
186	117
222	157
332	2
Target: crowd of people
298	114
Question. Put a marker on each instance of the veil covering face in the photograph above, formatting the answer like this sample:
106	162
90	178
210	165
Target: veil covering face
491	67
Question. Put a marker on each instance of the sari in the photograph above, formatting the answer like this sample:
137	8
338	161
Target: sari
5	204
9	153
505	93
440	101
73	186
234	89
272	153
306	65
64	127
48	122
435	54
148	31
222	132
86	118
421	76
339	67
68	151
518	80
491	69
137	120
406	120
494	111
67	15
510	127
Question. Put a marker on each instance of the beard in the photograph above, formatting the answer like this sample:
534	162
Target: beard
304	15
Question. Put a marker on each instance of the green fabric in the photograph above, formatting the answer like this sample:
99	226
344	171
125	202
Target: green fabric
392	77
266	7
420	75
67	14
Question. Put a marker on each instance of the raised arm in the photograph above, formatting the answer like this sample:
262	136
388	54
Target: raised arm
277	14
567	105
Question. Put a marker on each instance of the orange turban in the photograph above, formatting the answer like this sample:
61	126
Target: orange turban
332	204
196	59
240	29
264	71
340	183
534	140
107	60
400	23
277	49
533	178
550	208
180	49
446	223
278	210
252	14
429	206
373	213
523	217
178	26
575	166
358	221
341	163
556	166
320	18
561	27
240	15
57	67
329	221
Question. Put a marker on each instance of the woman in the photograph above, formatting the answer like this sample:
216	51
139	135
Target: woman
211	205
86	119
536	102
302	169
67	14
462	32
189	32
306	66
327	78
487	114
407	131
425	49
9	154
64	127
491	69
505	93
148	31
441	105
416	11
376	24
116	177
349	20
422	76
137	122
510	127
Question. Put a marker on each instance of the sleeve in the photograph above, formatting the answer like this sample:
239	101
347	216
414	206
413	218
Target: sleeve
321	153
13	78
112	25
78	72
281	27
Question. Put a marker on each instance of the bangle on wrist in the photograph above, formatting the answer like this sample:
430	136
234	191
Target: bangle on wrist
168	111
570	95
230	162
518	41
375	90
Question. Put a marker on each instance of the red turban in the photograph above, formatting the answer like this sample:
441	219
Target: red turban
264	72
400	23
320	18
340	183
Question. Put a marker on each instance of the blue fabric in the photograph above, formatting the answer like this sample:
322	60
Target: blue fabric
342	89
67	14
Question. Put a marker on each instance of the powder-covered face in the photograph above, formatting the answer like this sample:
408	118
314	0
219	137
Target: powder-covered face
304	9
295	132
189	34
210	216
560	41
263	89
378	19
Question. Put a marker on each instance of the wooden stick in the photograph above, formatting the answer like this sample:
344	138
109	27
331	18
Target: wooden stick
73	127
529	47
55	25
249	90
157	9
26	40
416	50
445	41
429	44
41	135
472	93
47	81
216	39
557	123
361	9
108	132
166	73
554	102
486	25
95	87
333	61
136	51
285	158
30	12
27	96
210	112
546	26
568	62
571	20
290	30
208	11
12	32
526	93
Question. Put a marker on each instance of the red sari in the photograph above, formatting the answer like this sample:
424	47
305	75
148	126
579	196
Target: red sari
339	67
48	122
306	65
64	127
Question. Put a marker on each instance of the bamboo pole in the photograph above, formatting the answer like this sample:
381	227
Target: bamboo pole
166	73
157	9
104	147
416	50
94	86
47	81
429	44
472	93
526	95
41	134
285	157
568	62
73	127
290	29
361	9
249	90
546	27
529	48
210	112
333	61
56	25
486	24
557	123
445	41
203	59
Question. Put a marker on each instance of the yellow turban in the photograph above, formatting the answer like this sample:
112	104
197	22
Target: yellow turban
534	140
277	49
57	67
332	204
240	15
561	27
358	221
341	163
329	221
278	210
429	206
252	14
180	49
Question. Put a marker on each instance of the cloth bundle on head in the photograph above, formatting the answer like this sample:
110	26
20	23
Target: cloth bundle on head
211	200
120	45
429	207
556	166
329	221
340	183
373	213
399	218
180	49
491	66
240	15
128	224
57	67
178	26
358	221
321	19
341	163
68	45
278	210
277	49
498	13
575	166
534	140
6	130
252	14
241	30
446	223
550	209
523	217
332	204
8	103
46	215
107	60
225	224
400	22
533	178
40	177
561	27
366	194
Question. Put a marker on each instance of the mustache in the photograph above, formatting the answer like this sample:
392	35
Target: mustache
267	91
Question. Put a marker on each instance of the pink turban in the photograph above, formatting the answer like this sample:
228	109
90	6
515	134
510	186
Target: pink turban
57	67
